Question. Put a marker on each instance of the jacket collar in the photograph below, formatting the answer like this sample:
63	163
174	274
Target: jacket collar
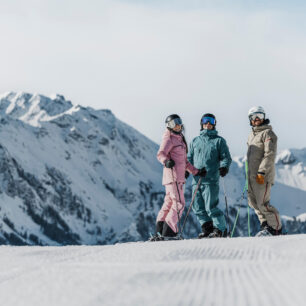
209	133
170	133
261	128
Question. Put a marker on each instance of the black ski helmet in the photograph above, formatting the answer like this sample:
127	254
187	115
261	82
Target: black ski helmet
177	120
208	115
171	118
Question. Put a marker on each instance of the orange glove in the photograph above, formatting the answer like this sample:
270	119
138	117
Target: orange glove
260	179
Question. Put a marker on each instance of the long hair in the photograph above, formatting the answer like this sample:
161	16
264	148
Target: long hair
182	134
183	137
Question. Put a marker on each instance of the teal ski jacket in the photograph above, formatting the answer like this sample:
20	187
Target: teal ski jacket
210	151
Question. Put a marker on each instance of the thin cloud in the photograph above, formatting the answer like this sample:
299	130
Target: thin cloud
147	61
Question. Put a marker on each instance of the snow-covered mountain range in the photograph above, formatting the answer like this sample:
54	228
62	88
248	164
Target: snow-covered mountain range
76	175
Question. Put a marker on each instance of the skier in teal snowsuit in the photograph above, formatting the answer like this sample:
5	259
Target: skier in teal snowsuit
210	151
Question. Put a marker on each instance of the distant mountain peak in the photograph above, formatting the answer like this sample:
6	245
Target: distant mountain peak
80	176
286	157
32	108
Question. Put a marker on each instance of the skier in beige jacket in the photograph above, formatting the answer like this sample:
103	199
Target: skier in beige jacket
262	146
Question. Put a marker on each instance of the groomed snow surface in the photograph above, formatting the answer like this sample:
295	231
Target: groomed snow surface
238	271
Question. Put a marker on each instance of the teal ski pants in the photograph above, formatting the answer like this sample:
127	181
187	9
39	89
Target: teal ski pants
205	205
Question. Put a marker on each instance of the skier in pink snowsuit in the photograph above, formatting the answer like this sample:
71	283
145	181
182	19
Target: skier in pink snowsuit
173	155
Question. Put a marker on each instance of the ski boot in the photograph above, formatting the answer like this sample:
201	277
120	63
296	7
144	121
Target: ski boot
158	233
264	230
156	237
169	234
263	233
216	233
207	229
267	230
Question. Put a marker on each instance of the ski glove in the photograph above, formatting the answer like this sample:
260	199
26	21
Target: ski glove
186	174
260	179
169	163
223	171
202	172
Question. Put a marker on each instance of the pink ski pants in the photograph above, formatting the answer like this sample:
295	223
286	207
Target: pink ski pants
173	206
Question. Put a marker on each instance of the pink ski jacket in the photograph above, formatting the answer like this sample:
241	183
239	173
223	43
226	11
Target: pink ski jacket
173	147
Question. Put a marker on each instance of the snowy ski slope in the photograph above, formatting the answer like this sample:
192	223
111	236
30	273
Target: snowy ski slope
238	271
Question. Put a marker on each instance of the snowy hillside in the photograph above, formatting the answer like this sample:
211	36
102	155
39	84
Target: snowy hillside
75	175
72	175
233	272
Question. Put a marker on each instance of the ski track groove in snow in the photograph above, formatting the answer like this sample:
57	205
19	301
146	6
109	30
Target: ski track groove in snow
239	271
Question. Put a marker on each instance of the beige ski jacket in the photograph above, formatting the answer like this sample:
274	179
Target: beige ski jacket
262	147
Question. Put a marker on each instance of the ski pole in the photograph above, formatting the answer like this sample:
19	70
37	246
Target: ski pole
227	214
177	210
195	192
178	192
249	221
236	219
245	189
179	195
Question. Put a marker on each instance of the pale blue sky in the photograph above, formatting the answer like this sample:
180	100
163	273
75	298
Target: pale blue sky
147	59
234	4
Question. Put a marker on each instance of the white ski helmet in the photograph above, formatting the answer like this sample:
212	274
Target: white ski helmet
256	109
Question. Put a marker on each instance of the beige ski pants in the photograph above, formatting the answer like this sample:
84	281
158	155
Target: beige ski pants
259	200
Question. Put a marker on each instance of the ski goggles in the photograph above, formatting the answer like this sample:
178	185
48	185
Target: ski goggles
260	116
210	120
174	122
